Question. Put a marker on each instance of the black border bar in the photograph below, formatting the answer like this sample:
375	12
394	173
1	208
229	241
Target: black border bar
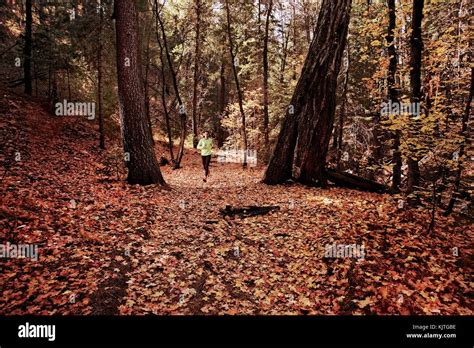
248	330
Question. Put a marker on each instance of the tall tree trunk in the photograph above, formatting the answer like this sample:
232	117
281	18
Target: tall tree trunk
163	93
197	57
27	48
142	164
293	20
165	110
221	102
145	81
285	41
99	81
393	94
181	109
342	112
416	46
265	82
259	22
465	137
307	22
303	141
237	84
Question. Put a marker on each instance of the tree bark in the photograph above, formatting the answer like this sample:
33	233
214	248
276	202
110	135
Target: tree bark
303	141
163	91
166	112
182	111
342	112
284	48
237	84
142	166
265	82
145	81
393	94
27	48
197	57
221	102
99	81
465	136
181	108
416	46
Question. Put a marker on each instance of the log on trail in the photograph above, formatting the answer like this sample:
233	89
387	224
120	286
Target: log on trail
353	181
247	211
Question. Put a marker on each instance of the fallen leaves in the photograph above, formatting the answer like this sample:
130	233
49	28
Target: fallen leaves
140	250
364	303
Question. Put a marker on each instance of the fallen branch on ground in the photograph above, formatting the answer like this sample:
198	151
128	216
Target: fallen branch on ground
353	181
251	210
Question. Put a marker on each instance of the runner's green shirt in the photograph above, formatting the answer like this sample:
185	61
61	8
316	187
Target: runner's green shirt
205	145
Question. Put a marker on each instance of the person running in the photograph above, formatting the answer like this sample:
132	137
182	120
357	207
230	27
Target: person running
205	145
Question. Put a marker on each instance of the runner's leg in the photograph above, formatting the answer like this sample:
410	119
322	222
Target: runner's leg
208	162
203	158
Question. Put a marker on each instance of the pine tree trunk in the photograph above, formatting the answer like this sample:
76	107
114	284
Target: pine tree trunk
27	48
303	141
165	106
416	44
237	84
393	94
265	82
145	81
221	104
99	82
465	137
342	112
284	48
181	109
197	57
142	165
163	91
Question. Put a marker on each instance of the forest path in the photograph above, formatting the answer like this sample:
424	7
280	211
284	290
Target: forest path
206	264
265	264
111	248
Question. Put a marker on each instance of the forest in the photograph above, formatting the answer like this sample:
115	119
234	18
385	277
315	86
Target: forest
235	157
